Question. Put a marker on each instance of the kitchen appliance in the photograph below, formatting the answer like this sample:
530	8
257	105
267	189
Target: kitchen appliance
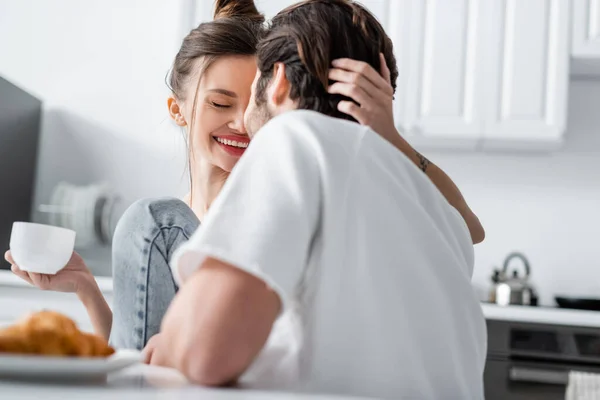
509	288
20	115
528	361
578	303
92	211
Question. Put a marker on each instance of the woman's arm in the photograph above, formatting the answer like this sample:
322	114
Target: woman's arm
97	308
373	106
445	185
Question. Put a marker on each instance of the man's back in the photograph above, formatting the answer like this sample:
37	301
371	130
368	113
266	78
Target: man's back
386	306
371	264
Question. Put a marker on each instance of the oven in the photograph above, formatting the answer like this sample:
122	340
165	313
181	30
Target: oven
532	361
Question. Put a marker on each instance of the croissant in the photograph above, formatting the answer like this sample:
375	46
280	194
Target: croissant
52	334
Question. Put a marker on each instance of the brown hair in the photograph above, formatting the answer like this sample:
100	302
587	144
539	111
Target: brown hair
308	36
235	31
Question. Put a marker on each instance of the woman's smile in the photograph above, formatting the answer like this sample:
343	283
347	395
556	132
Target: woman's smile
234	145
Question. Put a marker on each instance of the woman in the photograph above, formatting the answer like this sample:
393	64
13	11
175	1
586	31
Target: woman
210	82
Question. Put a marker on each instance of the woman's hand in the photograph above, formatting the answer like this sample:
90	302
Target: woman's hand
372	93
75	277
149	350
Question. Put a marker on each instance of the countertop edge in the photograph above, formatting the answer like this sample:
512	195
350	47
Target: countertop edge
542	315
8	279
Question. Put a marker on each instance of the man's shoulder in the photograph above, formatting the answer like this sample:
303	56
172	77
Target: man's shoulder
308	116
310	123
310	130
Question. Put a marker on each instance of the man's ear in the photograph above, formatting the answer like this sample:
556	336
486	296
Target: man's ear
175	111
279	89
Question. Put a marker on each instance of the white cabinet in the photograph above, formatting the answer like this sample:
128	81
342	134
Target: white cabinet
528	74
586	29
482	74
443	98
485	74
399	29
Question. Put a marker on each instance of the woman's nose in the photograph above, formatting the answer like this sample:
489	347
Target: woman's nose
238	124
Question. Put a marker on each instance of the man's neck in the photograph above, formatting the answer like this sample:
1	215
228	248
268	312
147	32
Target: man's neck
207	182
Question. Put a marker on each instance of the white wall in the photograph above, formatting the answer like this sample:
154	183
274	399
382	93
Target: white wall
99	66
547	206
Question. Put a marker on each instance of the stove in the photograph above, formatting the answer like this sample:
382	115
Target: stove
530	356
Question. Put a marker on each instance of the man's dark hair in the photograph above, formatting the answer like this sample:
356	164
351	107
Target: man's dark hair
306	37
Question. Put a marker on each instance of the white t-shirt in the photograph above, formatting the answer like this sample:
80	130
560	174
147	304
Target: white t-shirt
372	264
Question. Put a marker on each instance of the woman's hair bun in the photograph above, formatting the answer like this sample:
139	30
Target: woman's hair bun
238	9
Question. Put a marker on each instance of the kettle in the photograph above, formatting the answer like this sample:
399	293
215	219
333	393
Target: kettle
508	288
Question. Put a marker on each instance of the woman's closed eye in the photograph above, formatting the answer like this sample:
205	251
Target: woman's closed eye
219	105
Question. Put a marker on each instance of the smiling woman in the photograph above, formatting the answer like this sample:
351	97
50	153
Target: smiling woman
210	84
213	112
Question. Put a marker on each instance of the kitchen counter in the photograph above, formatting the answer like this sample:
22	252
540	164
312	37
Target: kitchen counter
142	383
20	297
542	315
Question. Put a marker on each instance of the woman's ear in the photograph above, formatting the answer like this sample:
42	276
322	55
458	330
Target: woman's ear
175	111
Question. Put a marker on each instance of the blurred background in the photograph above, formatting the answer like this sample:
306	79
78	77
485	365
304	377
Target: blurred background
503	95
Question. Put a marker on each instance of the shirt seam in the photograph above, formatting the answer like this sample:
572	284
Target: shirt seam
352	169
353	166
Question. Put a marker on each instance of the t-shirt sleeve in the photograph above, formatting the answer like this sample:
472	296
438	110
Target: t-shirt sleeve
265	217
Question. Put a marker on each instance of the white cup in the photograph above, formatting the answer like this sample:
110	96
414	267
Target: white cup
40	248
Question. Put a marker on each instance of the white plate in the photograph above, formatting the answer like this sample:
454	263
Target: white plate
65	368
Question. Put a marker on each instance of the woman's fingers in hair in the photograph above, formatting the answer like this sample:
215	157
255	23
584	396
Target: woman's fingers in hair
351	78
353	91
371	94
354	110
385	71
360	68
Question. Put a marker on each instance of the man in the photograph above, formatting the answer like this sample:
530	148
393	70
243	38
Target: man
330	262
